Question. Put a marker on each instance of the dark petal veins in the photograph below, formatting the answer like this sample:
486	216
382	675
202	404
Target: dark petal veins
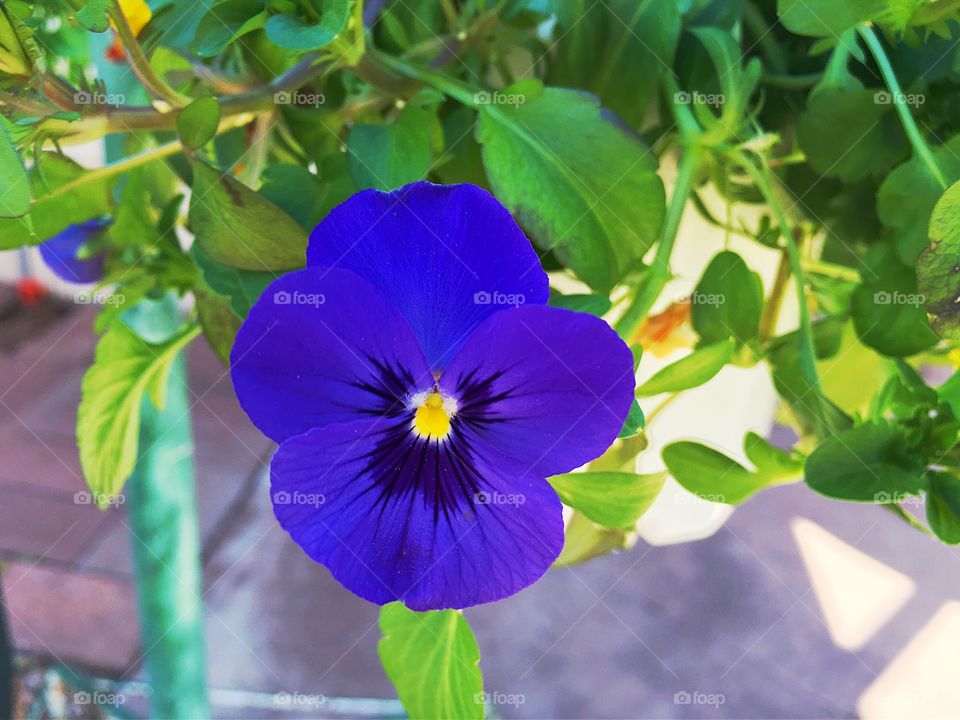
322	346
548	387
436	525
446	256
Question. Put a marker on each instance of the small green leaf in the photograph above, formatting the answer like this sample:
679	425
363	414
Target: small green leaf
124	370
867	463
584	540
388	156
550	155
239	228
93	16
297	192
943	507
938	268
227	21
728	301
15	193
241	287
634	423
714	476
433	660
611	499
197	123
691	371
294	33
217	319
593	304
826	18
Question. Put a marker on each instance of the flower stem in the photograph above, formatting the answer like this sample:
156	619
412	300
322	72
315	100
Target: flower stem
919	143
139	62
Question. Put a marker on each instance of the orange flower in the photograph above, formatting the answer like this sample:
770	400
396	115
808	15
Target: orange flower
669	331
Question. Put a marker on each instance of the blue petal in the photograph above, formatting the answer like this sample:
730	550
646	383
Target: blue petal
547	386
447	257
394	517
323	346
60	252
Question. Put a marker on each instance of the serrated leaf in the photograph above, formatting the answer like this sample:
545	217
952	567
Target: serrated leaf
611	499
125	369
938	267
691	371
239	228
580	183
93	16
433	660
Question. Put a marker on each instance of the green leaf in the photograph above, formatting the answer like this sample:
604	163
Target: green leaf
611	499
197	123
93	16
593	304
938	267
907	197
728	301
617	49
691	371
297	192
124	370
714	476
55	209
826	18
433	660
888	311
15	195
241	287
943	507
584	540
582	185
634	423
218	321
240	228
294	33
867	463
225	22
388	156
849	133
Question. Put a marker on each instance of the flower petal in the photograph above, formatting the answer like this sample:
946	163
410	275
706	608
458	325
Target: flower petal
60	252
323	346
547	386
446	256
435	525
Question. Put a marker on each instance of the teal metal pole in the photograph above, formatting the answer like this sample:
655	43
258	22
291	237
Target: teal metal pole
162	508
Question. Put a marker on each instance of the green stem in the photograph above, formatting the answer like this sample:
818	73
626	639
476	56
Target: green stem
459	91
139	62
791	82
831	270
919	143
658	274
808	357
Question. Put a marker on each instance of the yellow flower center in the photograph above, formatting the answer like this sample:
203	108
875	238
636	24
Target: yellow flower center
432	418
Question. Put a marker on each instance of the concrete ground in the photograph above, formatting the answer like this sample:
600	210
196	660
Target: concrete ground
799	607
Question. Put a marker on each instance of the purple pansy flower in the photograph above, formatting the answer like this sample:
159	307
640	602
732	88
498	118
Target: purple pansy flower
421	392
60	252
